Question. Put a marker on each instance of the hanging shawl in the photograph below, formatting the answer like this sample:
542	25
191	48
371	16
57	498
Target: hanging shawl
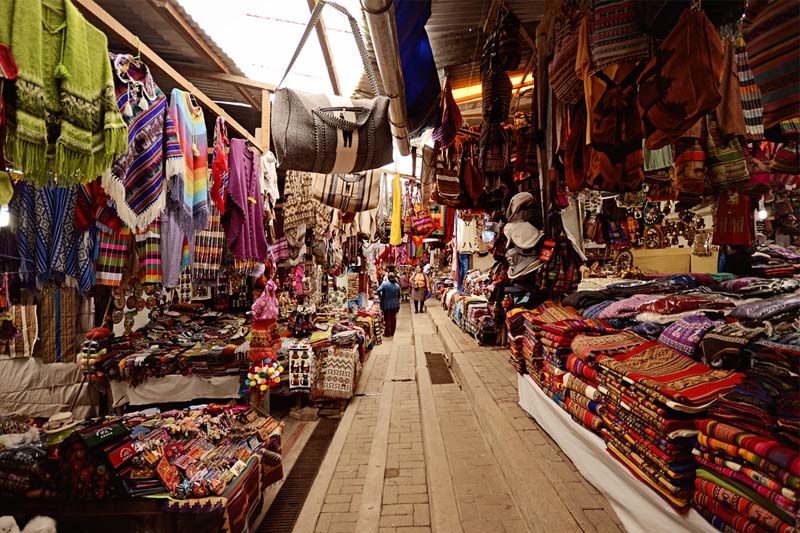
136	179
188	198
50	245
244	207
65	85
219	164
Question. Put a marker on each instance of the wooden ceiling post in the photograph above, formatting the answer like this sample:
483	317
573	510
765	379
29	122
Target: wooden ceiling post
156	61
325	45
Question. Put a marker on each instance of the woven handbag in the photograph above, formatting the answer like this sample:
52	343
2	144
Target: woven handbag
725	158
331	134
352	193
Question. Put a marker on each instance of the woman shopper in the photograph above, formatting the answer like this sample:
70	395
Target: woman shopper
420	287
389	292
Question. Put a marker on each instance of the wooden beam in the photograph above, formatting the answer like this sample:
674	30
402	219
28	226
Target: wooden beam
491	16
231	78
325	45
177	21
265	118
155	61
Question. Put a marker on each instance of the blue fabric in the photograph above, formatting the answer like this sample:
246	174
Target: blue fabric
420	78
390	295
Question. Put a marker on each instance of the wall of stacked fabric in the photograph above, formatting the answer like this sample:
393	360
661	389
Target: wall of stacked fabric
472	310
145	453
691	380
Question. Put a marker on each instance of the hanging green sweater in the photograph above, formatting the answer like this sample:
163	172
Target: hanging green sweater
66	123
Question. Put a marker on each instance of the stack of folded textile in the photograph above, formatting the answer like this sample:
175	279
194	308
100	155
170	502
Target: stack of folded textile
651	396
582	378
546	313
745	481
515	326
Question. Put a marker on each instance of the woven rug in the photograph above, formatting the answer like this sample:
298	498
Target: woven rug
301	368
339	368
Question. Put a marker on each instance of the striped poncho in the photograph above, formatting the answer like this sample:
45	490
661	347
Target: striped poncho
135	182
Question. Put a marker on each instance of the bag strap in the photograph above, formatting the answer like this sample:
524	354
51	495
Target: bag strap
362	51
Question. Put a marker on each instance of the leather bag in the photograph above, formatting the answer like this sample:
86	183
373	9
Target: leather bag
331	134
352	193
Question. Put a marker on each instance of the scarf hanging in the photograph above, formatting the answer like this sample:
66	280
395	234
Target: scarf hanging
112	257
208	248
65	84
136	179
219	164
148	249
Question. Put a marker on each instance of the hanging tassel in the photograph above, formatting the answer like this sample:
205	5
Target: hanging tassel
127	111
143	105
195	150
61	72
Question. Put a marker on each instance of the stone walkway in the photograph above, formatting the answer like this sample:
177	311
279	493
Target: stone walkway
410	456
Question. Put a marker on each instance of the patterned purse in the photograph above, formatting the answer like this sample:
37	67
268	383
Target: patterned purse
350	193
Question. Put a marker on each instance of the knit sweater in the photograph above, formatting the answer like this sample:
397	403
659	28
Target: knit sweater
66	121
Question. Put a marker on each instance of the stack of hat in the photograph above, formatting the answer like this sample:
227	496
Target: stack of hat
95	350
522	237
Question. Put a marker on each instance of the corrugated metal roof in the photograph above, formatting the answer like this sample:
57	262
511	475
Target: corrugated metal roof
154	25
456	33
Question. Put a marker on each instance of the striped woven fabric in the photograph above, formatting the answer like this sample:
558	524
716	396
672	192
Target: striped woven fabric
773	46
112	256
148	248
749	93
208	248
615	34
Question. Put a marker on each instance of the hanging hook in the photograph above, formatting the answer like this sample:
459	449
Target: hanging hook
138	49
697	5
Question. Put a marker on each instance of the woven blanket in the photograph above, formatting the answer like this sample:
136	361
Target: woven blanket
722	517
58	341
767	467
771	450
587	348
671	375
743	500
750	478
339	369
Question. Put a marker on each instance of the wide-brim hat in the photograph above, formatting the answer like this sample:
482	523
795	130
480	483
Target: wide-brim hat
60	422
519	203
522	234
521	262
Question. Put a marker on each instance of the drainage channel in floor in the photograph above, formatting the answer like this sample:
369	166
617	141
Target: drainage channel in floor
289	501
437	368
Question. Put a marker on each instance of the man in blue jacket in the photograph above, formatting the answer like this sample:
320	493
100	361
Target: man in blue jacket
389	292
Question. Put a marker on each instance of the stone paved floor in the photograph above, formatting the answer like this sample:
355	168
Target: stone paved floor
418	457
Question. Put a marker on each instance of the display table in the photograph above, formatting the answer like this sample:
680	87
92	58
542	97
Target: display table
174	388
638	507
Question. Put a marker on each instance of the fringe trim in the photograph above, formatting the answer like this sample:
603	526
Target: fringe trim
174	166
137	222
72	167
29	156
116	142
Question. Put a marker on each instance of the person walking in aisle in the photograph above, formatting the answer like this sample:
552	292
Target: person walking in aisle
420	287
389	292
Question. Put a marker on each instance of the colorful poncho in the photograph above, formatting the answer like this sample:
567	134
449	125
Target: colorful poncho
188	200
65	85
136	179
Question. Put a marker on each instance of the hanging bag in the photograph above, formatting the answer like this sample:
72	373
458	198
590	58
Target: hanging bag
351	193
331	134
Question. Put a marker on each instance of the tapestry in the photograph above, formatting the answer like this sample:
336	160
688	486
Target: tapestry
301	367
338	370
59	314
